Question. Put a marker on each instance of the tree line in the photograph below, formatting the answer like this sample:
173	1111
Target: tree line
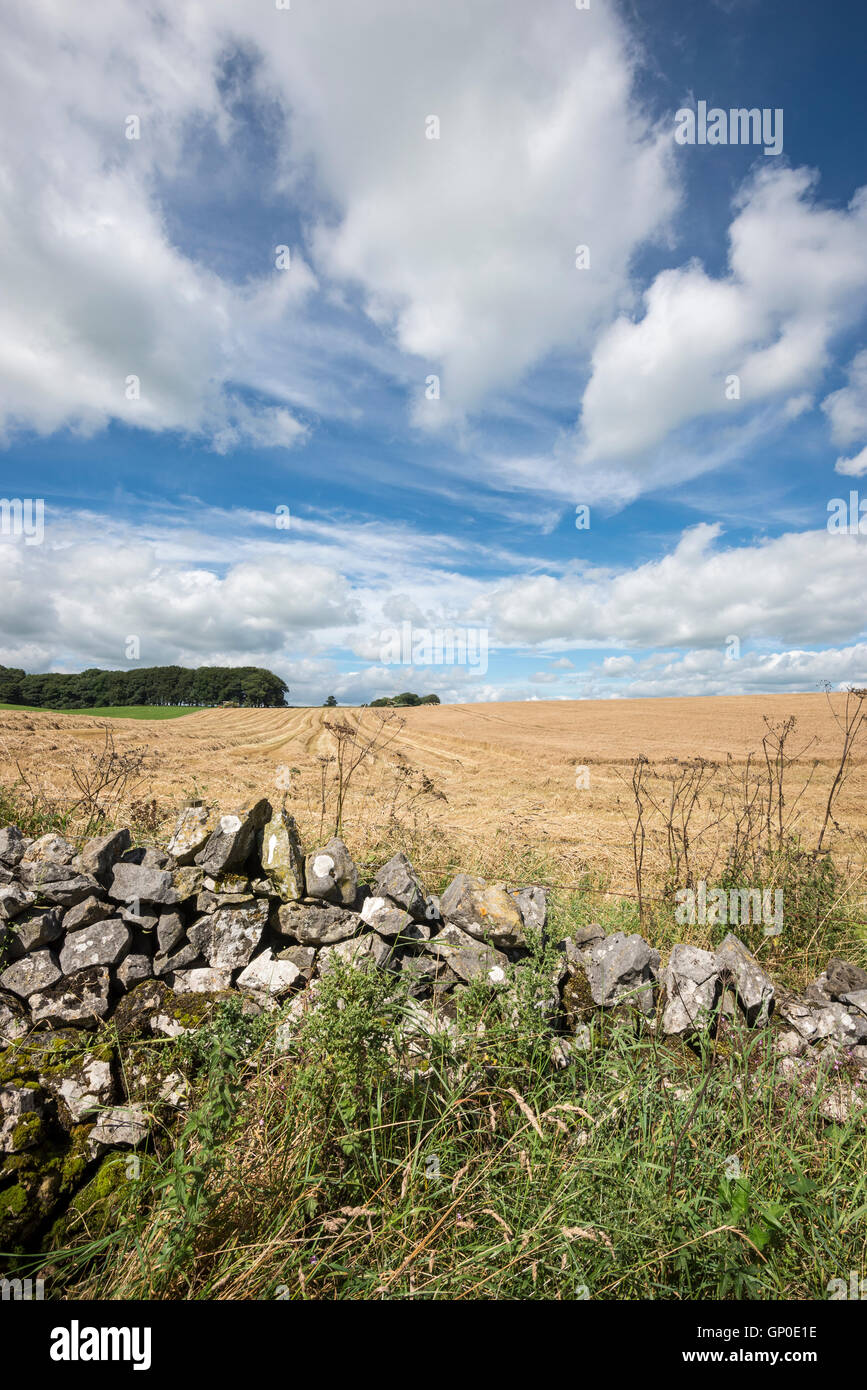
402	701
149	685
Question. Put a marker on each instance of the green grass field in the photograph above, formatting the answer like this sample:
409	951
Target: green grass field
119	711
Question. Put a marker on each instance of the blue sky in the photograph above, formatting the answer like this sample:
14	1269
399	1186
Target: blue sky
707	566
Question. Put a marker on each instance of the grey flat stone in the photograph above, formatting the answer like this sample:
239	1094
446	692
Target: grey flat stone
316	926
622	969
133	970
101	854
330	874
383	917
122	1127
136	883
399	881
691	985
233	838
34	973
88	911
283	857
35	931
485	911
105	943
367	952
468	958
13	845
755	990
267	979
80	1000
533	907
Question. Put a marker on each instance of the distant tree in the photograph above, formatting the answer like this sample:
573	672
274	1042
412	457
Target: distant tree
148	685
330	702
404	701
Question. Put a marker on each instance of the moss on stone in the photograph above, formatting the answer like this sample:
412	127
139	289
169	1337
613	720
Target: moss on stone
192	1010
98	1206
12	1202
136	1011
49	1054
578	1004
27	1132
231	883
77	1156
46	1174
12	1072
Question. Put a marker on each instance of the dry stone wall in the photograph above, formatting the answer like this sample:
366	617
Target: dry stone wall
148	939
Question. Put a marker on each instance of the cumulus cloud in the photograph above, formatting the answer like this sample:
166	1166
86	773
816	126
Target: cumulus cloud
853	467
455	256
797	275
805	587
847	408
73	599
847	414
712	673
95	291
465	244
268	427
462	249
307	602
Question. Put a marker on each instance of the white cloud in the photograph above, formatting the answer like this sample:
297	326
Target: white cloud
269	427
710	673
72	598
466	244
853	467
301	603
95	292
459	250
462	248
847	412
804	587
797	276
460	254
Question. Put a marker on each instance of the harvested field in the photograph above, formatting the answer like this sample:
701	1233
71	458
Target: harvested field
458	783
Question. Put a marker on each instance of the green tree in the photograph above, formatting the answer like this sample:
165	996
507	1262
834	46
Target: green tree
10	685
143	685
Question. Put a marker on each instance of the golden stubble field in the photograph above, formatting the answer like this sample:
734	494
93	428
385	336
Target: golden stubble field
476	785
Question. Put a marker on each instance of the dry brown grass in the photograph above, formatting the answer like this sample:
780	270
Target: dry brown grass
475	785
